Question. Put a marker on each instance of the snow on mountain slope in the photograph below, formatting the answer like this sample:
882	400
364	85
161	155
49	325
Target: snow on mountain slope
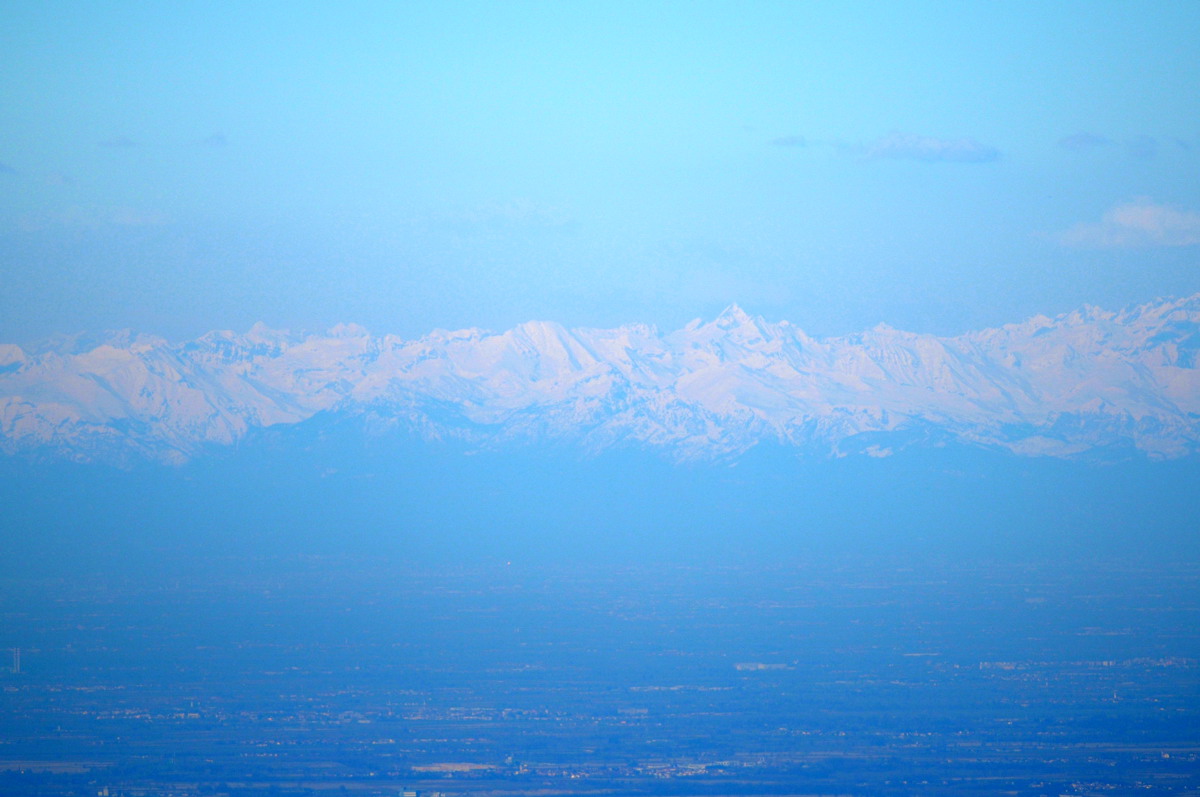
1085	381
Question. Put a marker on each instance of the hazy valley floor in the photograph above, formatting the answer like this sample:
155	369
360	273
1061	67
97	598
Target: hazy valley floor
832	676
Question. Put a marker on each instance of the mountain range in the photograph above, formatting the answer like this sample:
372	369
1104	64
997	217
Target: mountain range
1087	384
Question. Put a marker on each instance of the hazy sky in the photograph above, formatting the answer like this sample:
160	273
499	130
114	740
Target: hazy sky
179	167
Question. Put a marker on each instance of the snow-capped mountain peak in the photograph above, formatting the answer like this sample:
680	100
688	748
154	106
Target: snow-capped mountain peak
1084	381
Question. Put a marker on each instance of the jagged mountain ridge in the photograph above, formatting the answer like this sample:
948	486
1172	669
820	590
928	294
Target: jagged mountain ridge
1066	386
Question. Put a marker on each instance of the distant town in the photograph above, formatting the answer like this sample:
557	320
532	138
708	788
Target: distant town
328	677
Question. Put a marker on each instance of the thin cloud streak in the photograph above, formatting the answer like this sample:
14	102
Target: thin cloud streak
902	146
905	146
790	141
1137	224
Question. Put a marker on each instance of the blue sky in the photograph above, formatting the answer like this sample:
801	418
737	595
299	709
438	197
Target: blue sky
179	167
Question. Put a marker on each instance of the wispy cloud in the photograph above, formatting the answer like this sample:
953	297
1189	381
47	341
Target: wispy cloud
790	141
1137	224
1082	142
902	146
214	140
905	146
93	218
6	169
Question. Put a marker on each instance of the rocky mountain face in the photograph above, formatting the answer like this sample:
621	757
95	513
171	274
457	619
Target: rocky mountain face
1089	383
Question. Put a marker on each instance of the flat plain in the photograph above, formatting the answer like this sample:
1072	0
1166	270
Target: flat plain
321	675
